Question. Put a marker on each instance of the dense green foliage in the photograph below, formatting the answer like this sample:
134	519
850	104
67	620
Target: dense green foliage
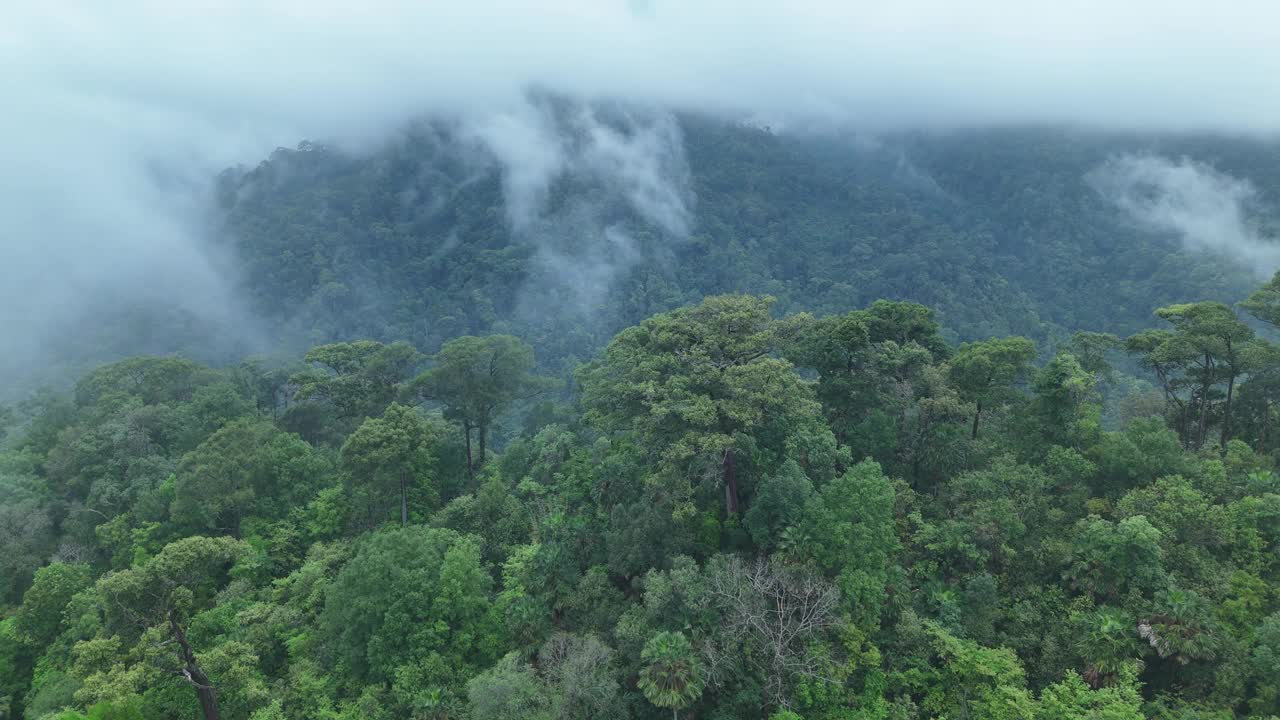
734	513
491	484
999	231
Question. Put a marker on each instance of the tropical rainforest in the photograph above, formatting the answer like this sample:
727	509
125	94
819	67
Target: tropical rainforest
913	428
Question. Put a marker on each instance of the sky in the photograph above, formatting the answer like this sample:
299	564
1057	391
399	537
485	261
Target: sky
118	114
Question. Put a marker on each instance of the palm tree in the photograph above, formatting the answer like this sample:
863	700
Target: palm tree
1181	627
1107	642
672	676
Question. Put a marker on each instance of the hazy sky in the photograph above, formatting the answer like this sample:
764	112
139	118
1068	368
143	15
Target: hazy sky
115	111
316	67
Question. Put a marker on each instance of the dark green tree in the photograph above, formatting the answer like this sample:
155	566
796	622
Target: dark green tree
477	379
247	467
1216	343
155	603
985	372
671	676
359	379
390	455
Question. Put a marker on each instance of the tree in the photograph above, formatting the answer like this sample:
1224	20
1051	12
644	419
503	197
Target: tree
248	466
156	600
774	618
1265	663
411	609
359	379
153	380
847	531
905	323
40	617
1064	397
15	670
7	419
1091	349
1168	360
1264	303
26	535
779	504
1071	699
699	392
1259	397
1180	627
1110	558
580	677
839	348
879	383
389	452
477	379
672	674
973	681
984	371
1107	641
507	691
1216	341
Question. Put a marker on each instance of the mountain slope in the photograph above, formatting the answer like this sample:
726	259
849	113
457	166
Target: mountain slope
999	229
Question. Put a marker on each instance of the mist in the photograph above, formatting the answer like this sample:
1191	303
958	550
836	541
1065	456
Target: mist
1208	210
121	114
632	162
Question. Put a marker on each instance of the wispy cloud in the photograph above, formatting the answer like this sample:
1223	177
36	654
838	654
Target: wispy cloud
117	113
1207	209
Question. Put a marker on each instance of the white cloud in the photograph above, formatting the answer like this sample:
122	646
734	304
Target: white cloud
1206	208
116	111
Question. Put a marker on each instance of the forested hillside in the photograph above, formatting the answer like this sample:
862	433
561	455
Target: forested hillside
714	423
640	360
998	230
741	513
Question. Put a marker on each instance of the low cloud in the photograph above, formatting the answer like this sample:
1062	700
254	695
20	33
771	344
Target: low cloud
627	168
118	113
1209	210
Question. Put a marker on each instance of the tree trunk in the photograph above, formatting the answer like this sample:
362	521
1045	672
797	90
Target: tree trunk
1226	414
466	430
730	483
1266	424
1204	417
1183	431
977	414
191	672
1206	388
484	441
404	500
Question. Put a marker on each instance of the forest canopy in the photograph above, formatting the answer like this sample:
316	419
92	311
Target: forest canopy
729	512
636	359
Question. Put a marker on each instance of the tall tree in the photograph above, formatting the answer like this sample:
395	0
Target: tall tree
1212	334
40	617
358	378
1063	394
1264	303
161	597
411	609
847	532
1168	360
1259	396
700	391
477	379
247	466
1091	349
984	372
388	452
